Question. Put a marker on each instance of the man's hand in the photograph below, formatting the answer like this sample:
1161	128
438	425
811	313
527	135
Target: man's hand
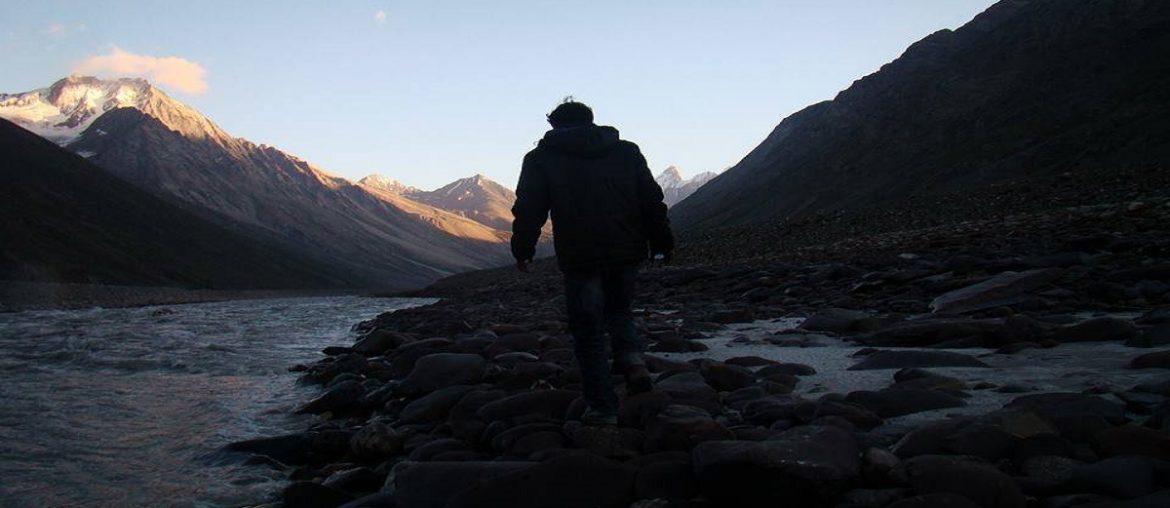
662	258
522	264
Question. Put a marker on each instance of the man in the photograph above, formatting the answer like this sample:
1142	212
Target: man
608	217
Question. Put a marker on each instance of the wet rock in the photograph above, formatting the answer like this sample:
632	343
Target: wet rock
981	440
690	388
1098	329
550	404
433	484
313	495
749	361
377	500
669	480
928	332
889	403
294	449
679	427
658	364
928	439
793	369
904	359
376	441
343	396
1155	360
936	500
806	466
1132	439
1047	472
434	406
1125	477
435	448
726	378
1075	416
333	366
378	342
612	442
985	485
993	292
1154	336
926	380
440	370
570	480
528	342
354	480
838	321
743	315
861	417
515	357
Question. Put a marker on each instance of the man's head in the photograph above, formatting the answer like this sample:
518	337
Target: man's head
570	113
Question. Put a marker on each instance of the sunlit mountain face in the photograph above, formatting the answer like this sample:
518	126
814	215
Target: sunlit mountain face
135	131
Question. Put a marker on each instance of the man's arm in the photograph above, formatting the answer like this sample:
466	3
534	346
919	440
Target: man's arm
529	212
654	219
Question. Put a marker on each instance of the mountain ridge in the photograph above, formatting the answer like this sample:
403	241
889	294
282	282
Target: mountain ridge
1029	87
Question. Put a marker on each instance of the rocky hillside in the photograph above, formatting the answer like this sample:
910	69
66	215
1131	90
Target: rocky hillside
675	188
144	137
477	197
1028	88
62	219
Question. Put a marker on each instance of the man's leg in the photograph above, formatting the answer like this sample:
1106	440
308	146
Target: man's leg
618	282
585	302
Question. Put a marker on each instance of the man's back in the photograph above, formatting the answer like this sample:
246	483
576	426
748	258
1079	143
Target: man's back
604	202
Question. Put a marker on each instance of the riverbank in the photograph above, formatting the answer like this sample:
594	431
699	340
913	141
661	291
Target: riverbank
1018	360
18	296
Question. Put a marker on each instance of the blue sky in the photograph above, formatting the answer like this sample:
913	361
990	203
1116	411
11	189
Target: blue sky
431	91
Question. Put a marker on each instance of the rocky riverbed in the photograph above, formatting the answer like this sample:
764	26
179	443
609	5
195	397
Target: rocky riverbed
1017	361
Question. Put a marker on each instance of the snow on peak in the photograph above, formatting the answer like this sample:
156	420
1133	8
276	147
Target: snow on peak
66	108
675	188
385	183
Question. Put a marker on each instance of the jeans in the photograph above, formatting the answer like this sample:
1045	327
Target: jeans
598	300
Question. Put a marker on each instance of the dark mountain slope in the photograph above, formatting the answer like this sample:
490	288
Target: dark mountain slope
1028	88
62	219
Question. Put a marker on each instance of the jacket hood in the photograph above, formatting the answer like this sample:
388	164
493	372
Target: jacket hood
582	140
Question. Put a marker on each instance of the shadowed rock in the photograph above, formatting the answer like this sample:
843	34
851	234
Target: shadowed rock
993	292
905	359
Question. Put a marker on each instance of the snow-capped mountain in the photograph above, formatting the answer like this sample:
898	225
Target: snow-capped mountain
138	133
387	184
477	197
68	107
675	188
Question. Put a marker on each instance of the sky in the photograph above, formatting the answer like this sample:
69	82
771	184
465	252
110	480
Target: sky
427	92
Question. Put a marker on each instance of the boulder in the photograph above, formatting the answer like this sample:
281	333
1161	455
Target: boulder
792	369
433	484
905	359
1155	360
440	370
987	486
837	321
342	396
993	292
612	442
805	466
378	342
550	404
726	378
1124	477
669	480
889	403
434	406
313	495
569	480
376	441
1098	329
679	427
936	500
1132	439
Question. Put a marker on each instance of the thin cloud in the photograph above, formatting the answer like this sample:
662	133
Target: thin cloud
178	73
55	30
380	17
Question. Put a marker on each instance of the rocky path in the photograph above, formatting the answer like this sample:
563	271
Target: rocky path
1020	361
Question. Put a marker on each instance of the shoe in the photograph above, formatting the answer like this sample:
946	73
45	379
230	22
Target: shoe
638	380
595	418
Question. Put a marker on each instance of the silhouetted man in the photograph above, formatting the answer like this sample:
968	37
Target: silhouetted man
608	217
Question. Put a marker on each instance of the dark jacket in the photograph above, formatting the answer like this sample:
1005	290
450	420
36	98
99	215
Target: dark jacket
605	205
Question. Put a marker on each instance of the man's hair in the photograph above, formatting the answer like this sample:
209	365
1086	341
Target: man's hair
570	113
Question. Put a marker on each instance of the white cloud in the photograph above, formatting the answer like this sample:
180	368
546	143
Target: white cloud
380	17
178	73
55	30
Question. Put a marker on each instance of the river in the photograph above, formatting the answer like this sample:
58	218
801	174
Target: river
130	407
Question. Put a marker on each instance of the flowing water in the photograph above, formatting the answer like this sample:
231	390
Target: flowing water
130	407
